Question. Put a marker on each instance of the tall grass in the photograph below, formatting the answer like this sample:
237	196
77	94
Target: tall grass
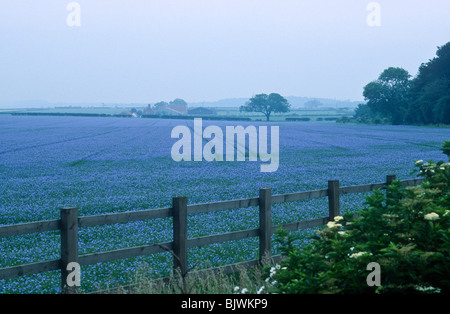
250	280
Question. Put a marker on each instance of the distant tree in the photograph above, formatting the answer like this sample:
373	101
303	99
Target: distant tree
388	95
266	104
313	103
178	102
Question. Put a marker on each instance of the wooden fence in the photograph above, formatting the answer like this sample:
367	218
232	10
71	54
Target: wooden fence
69	223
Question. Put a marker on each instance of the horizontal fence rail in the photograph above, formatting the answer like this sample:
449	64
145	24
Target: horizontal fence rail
69	224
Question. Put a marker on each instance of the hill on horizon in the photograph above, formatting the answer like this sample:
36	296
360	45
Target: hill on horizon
295	102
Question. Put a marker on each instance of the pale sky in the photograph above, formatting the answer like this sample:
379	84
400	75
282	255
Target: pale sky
144	51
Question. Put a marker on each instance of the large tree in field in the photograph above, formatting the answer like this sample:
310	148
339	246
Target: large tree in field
266	104
388	95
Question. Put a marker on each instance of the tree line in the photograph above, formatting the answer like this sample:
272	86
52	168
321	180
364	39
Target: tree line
397	98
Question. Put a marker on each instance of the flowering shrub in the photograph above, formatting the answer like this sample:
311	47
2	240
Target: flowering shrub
405	230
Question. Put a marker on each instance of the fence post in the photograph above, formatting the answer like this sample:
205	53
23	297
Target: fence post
265	223
333	199
390	178
180	234
69	246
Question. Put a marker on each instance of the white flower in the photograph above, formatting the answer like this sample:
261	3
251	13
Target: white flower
338	218
342	233
332	224
431	216
272	272
260	290
429	289
236	289
274	283
419	162
359	254
244	291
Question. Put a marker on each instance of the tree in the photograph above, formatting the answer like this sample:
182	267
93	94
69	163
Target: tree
363	114
313	103
424	99
389	93
178	102
430	90
441	111
266	104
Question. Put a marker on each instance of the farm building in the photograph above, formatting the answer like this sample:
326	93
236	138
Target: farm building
181	109
171	110
167	111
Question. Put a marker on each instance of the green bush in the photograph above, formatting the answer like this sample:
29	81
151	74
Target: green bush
446	148
404	230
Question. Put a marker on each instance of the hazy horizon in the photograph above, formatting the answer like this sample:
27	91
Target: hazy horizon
295	101
204	51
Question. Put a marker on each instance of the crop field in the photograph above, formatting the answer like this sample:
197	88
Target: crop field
105	165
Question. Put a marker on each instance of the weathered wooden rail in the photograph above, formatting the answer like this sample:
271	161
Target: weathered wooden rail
69	223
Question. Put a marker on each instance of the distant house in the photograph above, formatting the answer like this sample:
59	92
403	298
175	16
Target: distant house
201	111
166	111
182	109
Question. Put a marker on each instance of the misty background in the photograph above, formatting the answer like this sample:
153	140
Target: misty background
145	51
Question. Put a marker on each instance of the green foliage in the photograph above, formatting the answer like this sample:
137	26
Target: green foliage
422	100
343	119
387	95
430	104
242	281
404	230
363	114
446	148
429	95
